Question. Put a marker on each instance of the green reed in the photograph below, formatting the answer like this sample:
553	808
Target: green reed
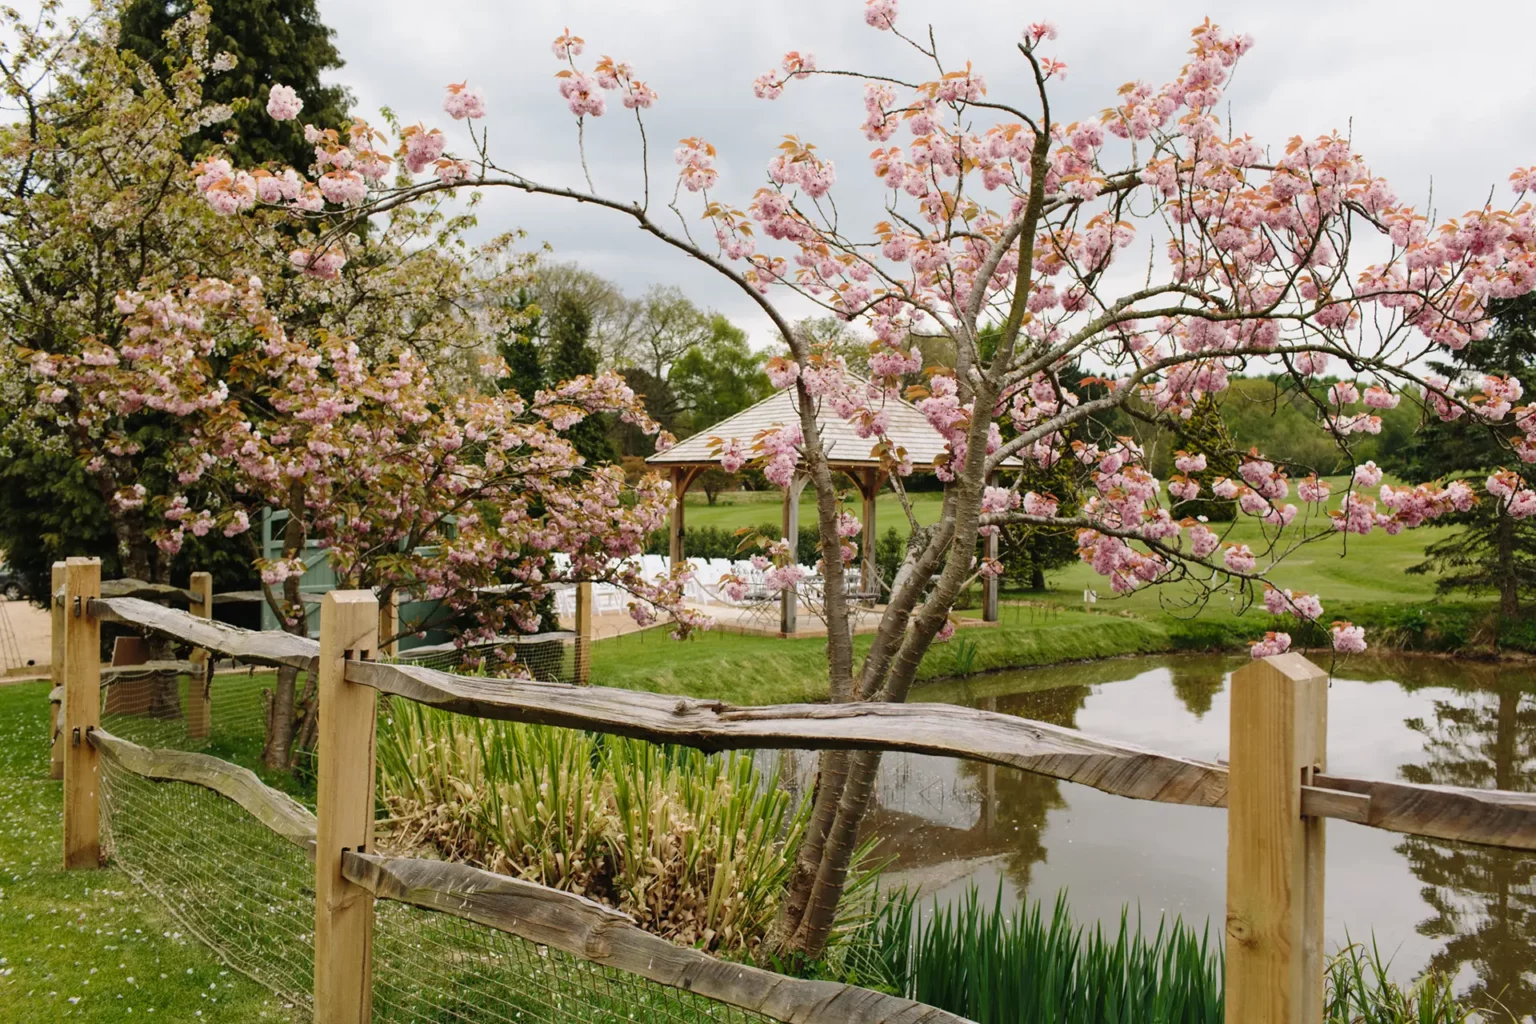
1025	965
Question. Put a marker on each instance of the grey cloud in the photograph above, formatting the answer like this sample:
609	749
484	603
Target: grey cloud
1431	96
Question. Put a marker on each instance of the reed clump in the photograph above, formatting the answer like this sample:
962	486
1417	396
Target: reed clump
1009	966
696	847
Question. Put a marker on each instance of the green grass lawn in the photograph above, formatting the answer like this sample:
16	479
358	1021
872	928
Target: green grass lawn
89	945
1363	579
736	509
767	670
1344	570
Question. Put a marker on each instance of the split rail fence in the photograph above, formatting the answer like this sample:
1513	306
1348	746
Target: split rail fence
498	948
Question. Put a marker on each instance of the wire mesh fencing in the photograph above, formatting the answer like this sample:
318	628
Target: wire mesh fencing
431	968
231	714
159	709
243	891
248	895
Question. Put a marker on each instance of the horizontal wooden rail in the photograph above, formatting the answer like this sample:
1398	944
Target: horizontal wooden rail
1487	817
520	640
1493	818
253	596
130	587
115	673
277	811
269	647
602	935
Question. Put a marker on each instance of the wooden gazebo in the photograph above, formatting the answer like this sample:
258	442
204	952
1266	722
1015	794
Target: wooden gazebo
846	452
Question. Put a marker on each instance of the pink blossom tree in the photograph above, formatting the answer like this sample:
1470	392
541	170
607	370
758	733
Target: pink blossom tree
200	377
1146	244
450	496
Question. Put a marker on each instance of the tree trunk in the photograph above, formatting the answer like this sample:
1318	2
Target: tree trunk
1509	584
285	710
912	619
1037	579
140	560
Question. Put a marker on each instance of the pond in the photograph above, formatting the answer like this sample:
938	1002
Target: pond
1469	911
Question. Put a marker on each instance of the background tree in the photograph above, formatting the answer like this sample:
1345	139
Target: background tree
96	208
1491	550
609	314
665	324
571	356
271	41
717	377
519	349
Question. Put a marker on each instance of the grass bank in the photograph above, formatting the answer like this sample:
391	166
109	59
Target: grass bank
766	670
89	945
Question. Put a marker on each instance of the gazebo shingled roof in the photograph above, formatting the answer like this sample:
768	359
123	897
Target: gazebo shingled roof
846	450
906	427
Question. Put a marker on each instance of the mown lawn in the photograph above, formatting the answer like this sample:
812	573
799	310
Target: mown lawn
89	945
1347	570
766	670
736	509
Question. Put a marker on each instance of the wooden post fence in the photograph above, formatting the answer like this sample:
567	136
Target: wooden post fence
389	625
199	713
1274	928
584	633
349	631
56	671
82	713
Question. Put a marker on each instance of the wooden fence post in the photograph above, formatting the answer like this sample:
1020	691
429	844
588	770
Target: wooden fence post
199	711
56	671
584	633
1279	739
389	625
82	713
349	630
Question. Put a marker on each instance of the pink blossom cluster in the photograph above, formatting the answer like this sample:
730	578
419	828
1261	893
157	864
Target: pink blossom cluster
697	160
283	104
779	446
1126	568
880	14
1272	644
462	102
1348	638
798	164
1302	604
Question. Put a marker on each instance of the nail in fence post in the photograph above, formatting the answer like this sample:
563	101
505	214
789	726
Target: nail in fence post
199	712
583	633
56	671
1274	931
82	713
349	624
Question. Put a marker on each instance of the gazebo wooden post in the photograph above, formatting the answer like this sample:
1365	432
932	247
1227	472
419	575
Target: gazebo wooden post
989	587
788	604
870	481
682	478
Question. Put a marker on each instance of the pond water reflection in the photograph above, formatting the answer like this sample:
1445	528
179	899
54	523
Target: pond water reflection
1469	911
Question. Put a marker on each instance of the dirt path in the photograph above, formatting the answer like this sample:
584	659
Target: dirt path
25	638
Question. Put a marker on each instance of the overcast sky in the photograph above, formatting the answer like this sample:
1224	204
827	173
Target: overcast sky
1435	93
